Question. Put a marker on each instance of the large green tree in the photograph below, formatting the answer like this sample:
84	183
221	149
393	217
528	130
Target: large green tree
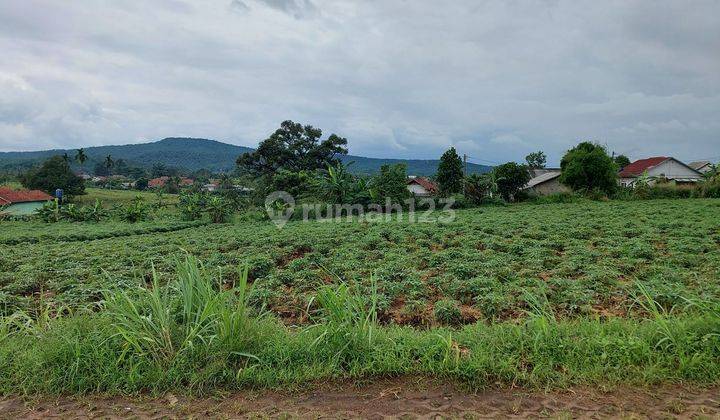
536	160
510	178
54	173
295	148
450	173
588	167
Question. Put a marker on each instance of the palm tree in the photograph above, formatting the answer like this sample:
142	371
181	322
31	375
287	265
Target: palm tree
80	156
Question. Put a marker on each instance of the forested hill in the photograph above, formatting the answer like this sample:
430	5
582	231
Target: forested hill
193	154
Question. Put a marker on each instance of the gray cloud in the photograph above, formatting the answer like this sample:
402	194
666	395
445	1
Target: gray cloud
399	79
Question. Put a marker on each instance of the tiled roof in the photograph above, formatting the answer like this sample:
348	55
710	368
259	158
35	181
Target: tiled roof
160	182
639	166
425	183
10	196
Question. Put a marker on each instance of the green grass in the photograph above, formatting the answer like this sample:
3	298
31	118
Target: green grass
118	197
191	335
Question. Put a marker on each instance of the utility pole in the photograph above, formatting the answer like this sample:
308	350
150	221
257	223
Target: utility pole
465	174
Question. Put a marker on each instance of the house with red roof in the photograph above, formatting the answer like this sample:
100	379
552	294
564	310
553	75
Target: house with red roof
655	168
421	186
22	202
160	182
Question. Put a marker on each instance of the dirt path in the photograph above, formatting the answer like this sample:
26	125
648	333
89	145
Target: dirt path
406	398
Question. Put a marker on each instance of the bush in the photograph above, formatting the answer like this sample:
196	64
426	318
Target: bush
135	211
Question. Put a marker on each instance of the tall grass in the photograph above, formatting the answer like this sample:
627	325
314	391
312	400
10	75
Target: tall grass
189	313
348	319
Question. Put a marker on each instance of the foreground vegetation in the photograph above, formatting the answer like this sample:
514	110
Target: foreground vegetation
535	295
194	335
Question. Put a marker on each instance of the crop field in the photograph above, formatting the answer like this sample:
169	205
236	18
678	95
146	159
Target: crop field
490	264
552	295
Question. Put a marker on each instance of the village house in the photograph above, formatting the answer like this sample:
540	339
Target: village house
702	166
545	181
160	182
420	186
22	202
661	167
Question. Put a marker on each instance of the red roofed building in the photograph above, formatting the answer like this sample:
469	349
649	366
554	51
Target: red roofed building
660	167
21	202
160	182
421	186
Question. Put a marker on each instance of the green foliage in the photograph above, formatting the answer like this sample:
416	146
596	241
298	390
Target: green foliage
338	186
621	161
54	173
295	148
536	160
447	312
218	209
510	178
450	173
390	183
135	211
142	184
583	256
481	187
348	318
298	184
191	205
191	314
587	167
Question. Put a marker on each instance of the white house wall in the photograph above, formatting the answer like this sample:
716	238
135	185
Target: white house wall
417	189
672	169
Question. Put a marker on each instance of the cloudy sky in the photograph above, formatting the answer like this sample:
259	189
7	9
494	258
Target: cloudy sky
496	79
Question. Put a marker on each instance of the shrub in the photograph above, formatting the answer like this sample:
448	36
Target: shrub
218	209
135	211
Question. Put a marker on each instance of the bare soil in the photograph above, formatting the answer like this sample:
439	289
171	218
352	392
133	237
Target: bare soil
392	398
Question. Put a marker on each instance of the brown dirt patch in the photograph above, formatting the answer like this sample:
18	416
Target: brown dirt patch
391	398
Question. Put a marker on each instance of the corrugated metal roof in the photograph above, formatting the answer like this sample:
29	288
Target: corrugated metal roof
548	176
699	164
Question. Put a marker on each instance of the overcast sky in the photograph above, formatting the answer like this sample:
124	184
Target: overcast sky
496	79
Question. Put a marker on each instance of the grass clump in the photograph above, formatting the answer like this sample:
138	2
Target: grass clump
192	313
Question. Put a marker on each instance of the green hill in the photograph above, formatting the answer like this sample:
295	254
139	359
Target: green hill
193	154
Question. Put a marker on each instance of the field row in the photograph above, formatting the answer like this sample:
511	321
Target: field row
493	263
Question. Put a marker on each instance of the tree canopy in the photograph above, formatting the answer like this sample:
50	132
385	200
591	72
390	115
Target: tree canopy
536	160
391	183
295	148
510	178
622	161
588	167
450	173
54	173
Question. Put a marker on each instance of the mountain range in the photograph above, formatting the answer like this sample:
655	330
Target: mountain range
194	154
